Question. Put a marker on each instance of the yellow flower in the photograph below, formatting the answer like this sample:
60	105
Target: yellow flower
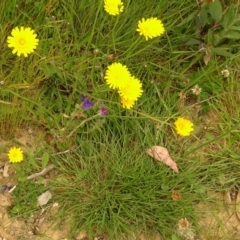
132	91
117	76
183	126
113	7
15	155
151	27
127	103
23	41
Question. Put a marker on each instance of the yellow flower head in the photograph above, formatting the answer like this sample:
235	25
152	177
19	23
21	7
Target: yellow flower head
183	126
151	27
15	155
127	103
23	41
117	76
132	91
113	7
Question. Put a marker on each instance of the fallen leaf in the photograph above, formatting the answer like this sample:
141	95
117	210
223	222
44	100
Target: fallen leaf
44	198
161	154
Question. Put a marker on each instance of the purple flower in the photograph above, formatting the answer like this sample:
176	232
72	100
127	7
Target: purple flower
86	103
103	111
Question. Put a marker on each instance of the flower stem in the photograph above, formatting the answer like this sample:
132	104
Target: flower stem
81	124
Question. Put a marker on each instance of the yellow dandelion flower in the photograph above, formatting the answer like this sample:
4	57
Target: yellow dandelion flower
126	103
15	155
23	41
183	126
117	76
113	7
150	28
132	91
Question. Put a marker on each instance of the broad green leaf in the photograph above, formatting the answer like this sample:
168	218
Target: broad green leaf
45	159
232	35
215	9
21	176
228	17
203	17
221	52
31	158
215	39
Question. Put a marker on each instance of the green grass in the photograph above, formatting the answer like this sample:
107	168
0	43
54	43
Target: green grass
109	184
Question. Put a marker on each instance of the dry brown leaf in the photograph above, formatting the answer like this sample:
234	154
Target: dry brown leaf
161	154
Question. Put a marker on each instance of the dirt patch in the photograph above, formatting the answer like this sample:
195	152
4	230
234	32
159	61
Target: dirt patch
220	220
39	226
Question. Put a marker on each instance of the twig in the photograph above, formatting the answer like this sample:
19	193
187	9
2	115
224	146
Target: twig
35	175
5	170
82	123
66	151
11	190
59	153
42	173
